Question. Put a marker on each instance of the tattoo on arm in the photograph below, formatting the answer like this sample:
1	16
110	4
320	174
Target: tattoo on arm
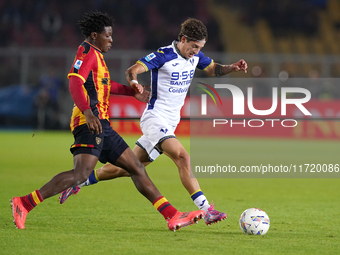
132	72
130	75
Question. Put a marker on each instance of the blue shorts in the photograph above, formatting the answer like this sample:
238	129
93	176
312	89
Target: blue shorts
107	146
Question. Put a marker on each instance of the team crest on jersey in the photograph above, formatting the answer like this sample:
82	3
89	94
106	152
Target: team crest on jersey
164	130
78	64
150	56
98	140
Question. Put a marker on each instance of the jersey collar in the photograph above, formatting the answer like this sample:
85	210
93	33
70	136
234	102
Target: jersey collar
177	50
97	49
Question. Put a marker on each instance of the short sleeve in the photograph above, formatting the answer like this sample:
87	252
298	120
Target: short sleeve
156	60
83	63
203	62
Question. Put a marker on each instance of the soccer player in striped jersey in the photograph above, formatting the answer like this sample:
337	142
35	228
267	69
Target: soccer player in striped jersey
172	69
94	139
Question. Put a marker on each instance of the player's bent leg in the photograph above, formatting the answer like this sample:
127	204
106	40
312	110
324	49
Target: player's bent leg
175	150
83	165
175	219
142	155
109	171
135	168
106	172
74	190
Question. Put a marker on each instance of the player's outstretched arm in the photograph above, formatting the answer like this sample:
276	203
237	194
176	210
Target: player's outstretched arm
217	69
120	89
131	77
144	96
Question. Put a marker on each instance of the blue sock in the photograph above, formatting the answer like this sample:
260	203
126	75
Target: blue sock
93	179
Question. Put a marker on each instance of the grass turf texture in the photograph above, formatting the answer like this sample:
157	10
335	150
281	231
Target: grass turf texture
113	218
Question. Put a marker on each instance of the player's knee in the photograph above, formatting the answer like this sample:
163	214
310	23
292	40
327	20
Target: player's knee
123	173
81	176
183	158
135	168
81	179
139	165
140	170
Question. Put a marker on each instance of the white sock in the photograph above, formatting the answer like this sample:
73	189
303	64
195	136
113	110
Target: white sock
86	183
200	200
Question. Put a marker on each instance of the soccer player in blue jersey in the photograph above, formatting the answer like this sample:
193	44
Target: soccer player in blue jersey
94	139
172	69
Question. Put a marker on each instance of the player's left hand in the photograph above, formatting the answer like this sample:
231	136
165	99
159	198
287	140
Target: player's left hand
144	96
240	65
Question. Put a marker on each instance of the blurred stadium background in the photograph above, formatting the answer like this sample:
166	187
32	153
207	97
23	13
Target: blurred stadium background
279	38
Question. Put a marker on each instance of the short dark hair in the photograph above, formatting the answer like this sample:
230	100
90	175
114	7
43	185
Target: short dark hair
94	21
193	30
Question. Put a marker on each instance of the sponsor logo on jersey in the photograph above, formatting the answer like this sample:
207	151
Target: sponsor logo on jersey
175	64
180	82
150	56
178	90
78	64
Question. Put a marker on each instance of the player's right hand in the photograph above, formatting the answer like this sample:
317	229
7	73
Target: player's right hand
137	87
240	65
92	122
143	97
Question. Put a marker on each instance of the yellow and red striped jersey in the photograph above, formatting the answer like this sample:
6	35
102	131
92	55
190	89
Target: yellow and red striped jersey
89	65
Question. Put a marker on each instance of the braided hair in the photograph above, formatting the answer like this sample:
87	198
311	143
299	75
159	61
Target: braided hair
94	21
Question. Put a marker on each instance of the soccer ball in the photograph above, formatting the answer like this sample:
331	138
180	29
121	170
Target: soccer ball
254	221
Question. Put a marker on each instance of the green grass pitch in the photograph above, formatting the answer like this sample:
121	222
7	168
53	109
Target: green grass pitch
113	218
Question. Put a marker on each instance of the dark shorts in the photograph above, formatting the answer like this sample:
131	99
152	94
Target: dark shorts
107	146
